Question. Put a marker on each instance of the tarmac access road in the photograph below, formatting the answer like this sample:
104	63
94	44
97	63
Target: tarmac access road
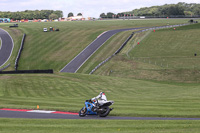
6	47
37	115
82	57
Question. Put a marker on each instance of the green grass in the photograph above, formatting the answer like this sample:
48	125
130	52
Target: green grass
53	50
108	49
67	92
169	58
174	47
97	126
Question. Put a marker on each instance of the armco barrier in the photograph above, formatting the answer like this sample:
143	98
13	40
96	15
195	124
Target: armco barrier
20	51
124	43
113	54
152	28
50	71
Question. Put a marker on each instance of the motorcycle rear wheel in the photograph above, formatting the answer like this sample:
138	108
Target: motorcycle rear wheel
83	112
104	113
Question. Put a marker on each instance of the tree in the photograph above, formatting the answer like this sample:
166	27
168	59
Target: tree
79	14
70	14
53	16
103	15
110	14
176	10
28	14
58	13
188	13
120	14
181	8
197	11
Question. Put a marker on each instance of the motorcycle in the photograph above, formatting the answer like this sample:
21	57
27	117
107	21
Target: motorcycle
101	109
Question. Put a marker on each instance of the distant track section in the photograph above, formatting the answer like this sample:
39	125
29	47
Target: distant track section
6	46
82	57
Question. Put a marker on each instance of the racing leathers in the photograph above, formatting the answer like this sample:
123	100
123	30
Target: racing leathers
101	99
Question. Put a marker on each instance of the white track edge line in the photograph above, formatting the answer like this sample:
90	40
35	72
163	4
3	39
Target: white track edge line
41	111
11	50
1	43
100	47
93	53
81	52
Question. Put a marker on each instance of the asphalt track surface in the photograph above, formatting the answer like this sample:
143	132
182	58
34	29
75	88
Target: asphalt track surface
6	47
82	57
31	115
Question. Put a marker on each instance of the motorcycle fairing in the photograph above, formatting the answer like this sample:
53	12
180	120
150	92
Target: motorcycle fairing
89	107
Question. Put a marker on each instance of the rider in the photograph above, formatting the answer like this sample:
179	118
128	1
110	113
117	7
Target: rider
101	99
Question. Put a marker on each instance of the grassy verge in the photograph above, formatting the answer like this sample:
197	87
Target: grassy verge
175	47
109	48
97	126
67	92
171	57
53	50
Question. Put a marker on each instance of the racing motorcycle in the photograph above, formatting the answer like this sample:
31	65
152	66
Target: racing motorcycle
101	109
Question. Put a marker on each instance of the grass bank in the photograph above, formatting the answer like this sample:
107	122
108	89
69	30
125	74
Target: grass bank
108	49
166	55
97	126
53	50
67	92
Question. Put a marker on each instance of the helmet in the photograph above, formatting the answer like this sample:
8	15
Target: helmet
102	93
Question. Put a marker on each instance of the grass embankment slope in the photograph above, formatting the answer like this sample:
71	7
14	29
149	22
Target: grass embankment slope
69	91
166	55
91	126
108	49
53	50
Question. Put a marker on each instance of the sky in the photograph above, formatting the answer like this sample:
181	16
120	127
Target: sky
89	8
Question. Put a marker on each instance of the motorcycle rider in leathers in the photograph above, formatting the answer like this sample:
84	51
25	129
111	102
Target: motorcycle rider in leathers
101	99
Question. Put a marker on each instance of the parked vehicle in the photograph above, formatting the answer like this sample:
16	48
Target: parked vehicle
15	25
45	30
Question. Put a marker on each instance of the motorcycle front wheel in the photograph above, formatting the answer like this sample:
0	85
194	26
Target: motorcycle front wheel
105	112
83	112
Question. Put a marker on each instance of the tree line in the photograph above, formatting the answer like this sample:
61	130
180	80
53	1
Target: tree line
29	14
181	8
72	15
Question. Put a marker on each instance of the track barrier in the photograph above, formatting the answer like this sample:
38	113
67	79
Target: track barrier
124	44
50	71
19	53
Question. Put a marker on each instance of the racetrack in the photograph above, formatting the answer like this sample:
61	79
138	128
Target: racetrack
81	58
6	47
62	115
